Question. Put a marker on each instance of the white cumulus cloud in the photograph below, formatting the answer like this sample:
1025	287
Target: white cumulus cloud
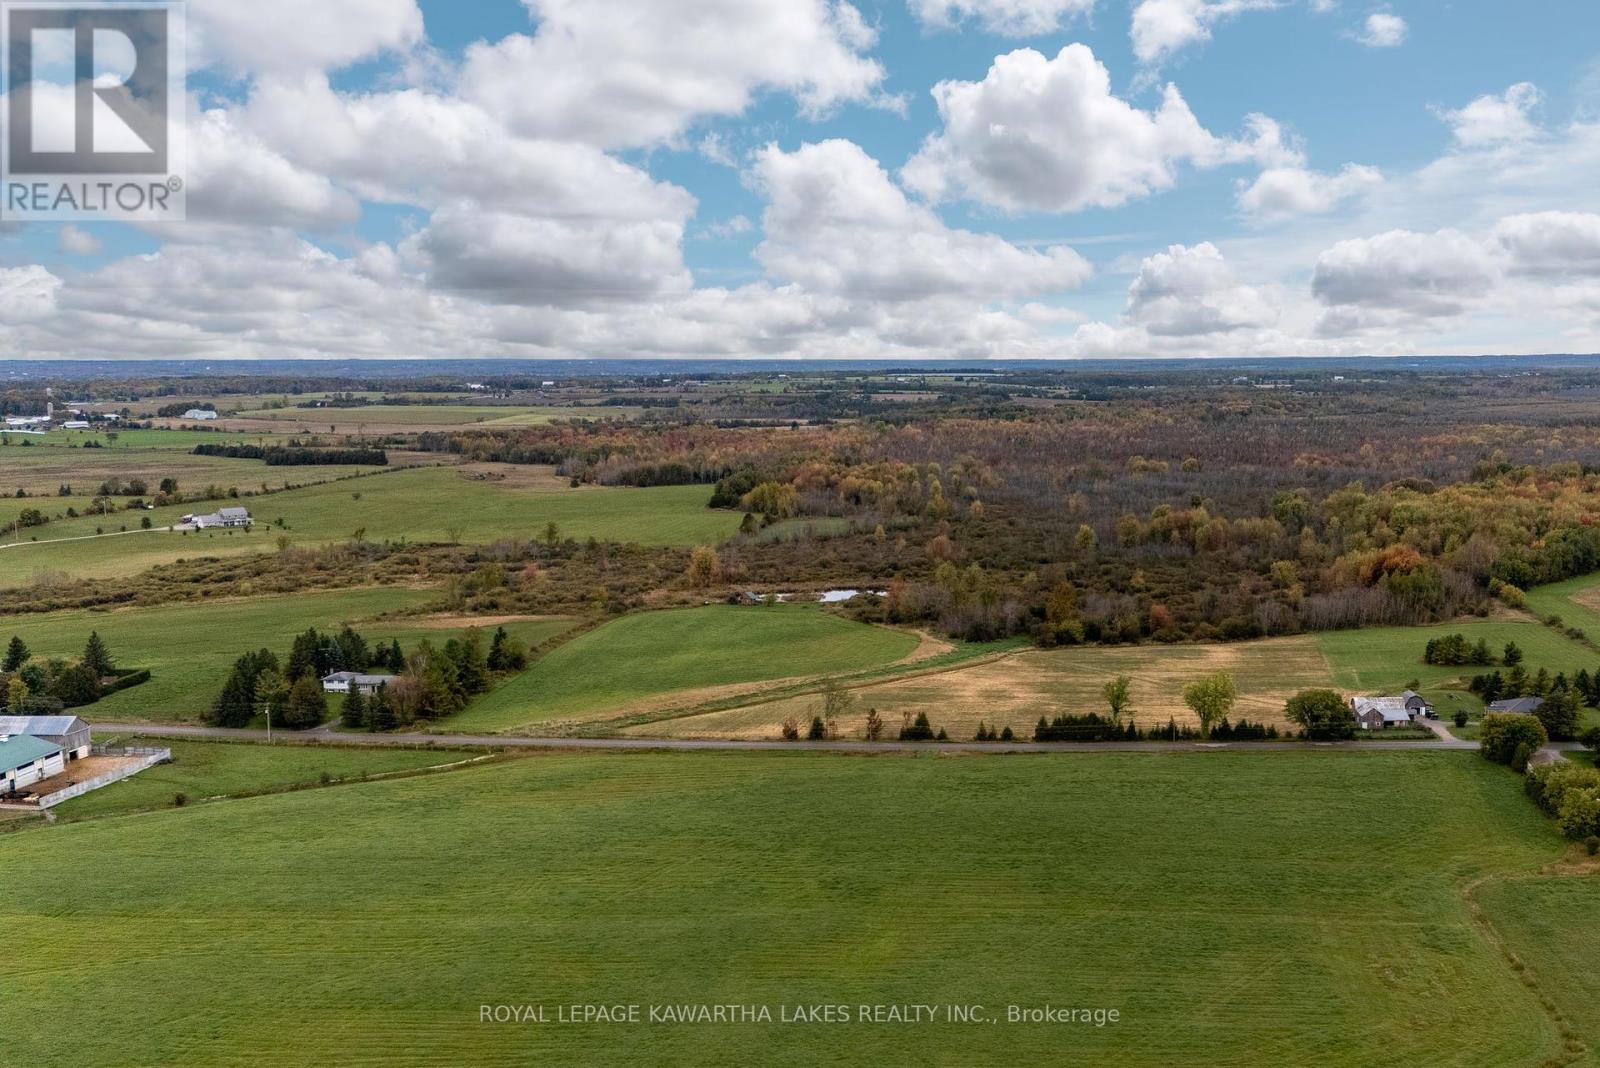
1383	30
1496	119
836	223
1040	134
1284	192
640	72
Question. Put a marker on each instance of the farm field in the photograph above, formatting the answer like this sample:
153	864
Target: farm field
189	648
41	470
562	880
1553	924
1576	601
1385	658
409	418
656	656
424	504
202	770
1016	690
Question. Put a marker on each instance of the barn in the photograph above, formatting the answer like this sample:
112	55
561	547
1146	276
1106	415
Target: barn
68	732
24	760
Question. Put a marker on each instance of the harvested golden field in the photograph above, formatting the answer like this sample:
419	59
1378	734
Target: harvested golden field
1017	689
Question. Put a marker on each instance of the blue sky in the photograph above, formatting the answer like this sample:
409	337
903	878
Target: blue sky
1424	183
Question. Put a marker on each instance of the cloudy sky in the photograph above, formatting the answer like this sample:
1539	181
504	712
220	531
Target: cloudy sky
897	178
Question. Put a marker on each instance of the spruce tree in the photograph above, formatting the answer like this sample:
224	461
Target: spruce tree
380	717
96	657
233	707
353	712
16	655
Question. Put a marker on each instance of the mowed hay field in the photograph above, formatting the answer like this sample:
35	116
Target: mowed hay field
1234	908
205	770
1015	690
645	660
1576	601
424	504
189	648
41	470
1553	925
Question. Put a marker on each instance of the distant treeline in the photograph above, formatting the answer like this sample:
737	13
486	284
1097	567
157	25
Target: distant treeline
294	456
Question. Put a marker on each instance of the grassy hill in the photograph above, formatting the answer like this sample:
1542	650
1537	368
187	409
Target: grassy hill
655	654
1235	908
189	648
202	770
425	504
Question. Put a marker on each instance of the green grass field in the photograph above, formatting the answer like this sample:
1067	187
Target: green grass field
1567	600
1234	908
1379	659
204	770
426	504
189	648
41	470
657	654
1553	925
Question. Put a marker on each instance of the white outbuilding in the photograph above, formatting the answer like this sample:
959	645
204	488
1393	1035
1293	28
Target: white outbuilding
24	760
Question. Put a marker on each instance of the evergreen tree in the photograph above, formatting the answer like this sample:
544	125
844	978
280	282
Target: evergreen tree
306	657
16	655
506	653
96	657
234	706
308	704
353	650
472	673
380	717
397	658
353	712
1512	655
1559	713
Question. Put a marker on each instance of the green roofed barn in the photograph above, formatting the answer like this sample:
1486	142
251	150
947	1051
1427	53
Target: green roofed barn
24	760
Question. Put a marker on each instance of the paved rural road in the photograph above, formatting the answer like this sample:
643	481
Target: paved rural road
510	741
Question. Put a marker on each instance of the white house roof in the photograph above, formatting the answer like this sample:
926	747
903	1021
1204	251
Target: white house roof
358	677
234	513
40	726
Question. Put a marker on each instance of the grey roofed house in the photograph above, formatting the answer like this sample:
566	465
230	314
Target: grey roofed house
70	733
343	681
1528	705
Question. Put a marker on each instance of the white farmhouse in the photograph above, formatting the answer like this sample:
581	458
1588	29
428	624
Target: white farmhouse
344	681
223	517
